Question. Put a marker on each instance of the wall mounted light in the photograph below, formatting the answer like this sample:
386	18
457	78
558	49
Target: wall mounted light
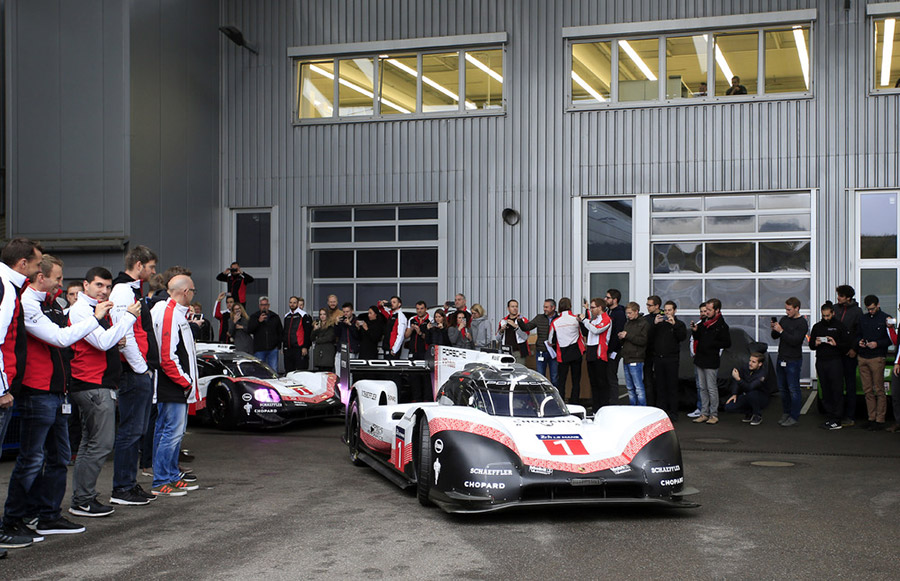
510	216
235	35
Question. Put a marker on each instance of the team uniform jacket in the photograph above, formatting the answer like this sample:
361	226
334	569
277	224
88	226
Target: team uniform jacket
140	352
237	285
396	331
566	331
177	382
599	329
297	330
222	316
96	362
419	343
521	334
47	368
13	349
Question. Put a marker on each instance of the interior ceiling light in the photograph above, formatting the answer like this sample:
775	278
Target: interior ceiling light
492	73
623	44
591	91
700	45
357	88
887	52
802	53
437	86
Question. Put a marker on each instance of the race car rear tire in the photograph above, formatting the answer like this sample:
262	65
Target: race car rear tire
221	408
423	463
353	434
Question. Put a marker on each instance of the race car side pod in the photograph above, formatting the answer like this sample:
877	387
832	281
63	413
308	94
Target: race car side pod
344	374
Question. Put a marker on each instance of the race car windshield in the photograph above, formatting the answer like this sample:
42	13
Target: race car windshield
248	368
520	401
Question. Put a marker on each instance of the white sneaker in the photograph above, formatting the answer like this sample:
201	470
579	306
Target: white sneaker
694	414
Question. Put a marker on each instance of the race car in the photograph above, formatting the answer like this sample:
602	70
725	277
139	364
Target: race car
241	390
498	435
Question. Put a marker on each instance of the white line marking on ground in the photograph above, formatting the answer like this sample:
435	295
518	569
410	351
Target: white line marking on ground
809	401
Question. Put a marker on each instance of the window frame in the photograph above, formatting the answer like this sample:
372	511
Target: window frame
875	12
860	264
269	273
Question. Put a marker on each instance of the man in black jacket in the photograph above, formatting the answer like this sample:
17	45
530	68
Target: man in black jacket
265	326
873	340
654	310
830	340
237	281
616	312
297	337
847	311
711	336
748	393
545	362
790	331
667	335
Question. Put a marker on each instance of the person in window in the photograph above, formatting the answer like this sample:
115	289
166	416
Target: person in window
238	329
437	330
701	90
736	87
324	338
481	329
371	330
237	281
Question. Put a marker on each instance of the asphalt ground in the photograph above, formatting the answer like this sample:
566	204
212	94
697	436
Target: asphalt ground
288	504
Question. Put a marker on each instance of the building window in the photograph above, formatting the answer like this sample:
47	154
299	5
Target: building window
886	61
877	247
393	86
253	238
369	253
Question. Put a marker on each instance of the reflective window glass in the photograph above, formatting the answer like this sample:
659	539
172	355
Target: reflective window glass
591	72
440	82
687	293
374	234
787	60
783	201
417	212
315	87
745	323
881	282
878	225
259	288
344	292
356	79
412	292
686	64
639	70
734	293
692	225
343	234
329	215
376	263
397	82
253	243
785	223
774	291
418	262
659	204
370	293
424	232
369	214
736	63
730	257
731	203
333	264
609	227
680	257
602	281
484	79
784	256
730	224
887	54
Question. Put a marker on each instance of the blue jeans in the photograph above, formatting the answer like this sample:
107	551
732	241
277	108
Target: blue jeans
170	425
135	398
788	374
270	357
544	362
38	480
634	383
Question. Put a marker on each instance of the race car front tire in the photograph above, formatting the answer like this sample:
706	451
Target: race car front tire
221	408
353	434
423	463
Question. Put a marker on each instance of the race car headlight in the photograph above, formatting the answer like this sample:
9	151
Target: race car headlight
265	394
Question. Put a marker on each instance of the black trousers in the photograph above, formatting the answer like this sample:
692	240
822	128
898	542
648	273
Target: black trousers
612	378
650	387
575	366
831	378
596	369
665	374
294	360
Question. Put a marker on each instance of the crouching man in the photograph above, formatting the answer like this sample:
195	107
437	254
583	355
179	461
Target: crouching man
748	392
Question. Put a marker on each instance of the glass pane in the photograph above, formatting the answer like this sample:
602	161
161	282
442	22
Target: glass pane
412	292
369	214
731	203
332	234
397	84
376	263
368	294
734	294
730	224
638	70
736	63
878	225
686	59
787	60
591	72
329	215
484	79
355	85
677	225
603	281
416	262
253	246
783	201
677	204
730	257
784	256
315	86
424	232
887	62
375	234
258	288
344	292
785	223
440	82
684	257
686	294
774	291
881	282
333	264
746	323
609	230
418	212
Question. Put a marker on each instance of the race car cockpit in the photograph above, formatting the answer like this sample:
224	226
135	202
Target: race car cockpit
503	393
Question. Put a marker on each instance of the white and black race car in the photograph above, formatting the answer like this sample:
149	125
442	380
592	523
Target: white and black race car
499	435
241	390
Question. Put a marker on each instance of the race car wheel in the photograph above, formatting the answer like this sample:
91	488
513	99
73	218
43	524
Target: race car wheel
423	464
221	408
353	434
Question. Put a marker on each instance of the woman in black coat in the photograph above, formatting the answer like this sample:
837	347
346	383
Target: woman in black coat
371	330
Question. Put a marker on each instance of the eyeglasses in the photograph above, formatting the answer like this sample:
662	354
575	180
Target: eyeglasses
190	290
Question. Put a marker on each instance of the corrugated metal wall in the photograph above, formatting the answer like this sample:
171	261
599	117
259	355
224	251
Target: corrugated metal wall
537	156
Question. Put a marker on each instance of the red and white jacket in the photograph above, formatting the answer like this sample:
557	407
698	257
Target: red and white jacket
12	330
521	336
96	362
393	339
177	381
567	331
139	352
599	329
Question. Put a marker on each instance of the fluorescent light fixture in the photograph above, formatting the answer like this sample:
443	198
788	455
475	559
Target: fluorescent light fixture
802	53
490	72
723	64
623	44
591	91
701	44
887	51
437	86
357	88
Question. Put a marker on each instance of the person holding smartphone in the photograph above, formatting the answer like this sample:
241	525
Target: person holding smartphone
790	332
830	339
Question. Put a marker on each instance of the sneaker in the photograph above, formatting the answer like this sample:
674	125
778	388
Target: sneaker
694	414
847	423
875	426
789	423
22	531
30	522
712	420
11	538
167	490
93	508
147	472
834	426
141	492
128	497
60	526
747	418
188	477
701	420
186	456
784	418
185	469
182	485
756	420
894	428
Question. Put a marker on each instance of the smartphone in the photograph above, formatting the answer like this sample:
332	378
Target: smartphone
774	319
